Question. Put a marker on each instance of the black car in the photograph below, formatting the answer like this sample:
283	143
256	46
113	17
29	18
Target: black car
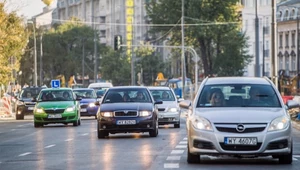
127	109
24	104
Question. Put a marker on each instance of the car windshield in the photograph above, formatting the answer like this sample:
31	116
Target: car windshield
164	95
238	95
30	92
87	94
127	95
56	95
101	92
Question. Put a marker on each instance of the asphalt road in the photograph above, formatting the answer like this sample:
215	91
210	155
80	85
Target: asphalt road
56	147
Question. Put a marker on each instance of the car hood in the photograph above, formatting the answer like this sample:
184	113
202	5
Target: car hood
240	115
57	105
168	104
87	100
125	106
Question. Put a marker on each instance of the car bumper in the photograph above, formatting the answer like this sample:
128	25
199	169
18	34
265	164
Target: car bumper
66	118
143	124
212	143
89	112
168	118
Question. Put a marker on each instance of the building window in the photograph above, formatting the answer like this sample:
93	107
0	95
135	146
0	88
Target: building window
280	62
287	61
280	41
293	40
294	63
287	40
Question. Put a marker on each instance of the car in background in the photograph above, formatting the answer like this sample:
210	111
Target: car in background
126	109
87	102
100	93
24	104
57	105
239	116
168	112
99	86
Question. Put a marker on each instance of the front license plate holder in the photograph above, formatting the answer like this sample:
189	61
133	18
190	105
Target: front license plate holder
54	116
126	122
240	141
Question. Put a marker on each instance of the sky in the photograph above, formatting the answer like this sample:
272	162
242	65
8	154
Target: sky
27	8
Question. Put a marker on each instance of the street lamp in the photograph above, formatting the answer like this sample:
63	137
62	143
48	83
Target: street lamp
35	55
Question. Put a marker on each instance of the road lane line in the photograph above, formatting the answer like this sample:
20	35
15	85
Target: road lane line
181	146
24	154
170	166
183	143
84	134
173	158
67	140
184	138
13	129
177	151
296	156
49	146
294	159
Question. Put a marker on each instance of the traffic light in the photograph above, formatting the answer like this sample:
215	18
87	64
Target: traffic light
118	42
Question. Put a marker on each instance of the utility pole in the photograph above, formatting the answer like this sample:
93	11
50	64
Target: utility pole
95	45
83	60
182	49
273	46
257	74
41	60
263	66
298	63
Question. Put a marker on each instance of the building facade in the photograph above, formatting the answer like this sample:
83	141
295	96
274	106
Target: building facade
264	16
287	45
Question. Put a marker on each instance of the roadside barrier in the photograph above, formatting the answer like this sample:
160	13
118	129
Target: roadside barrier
6	110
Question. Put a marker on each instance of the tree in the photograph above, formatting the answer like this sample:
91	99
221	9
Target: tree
12	42
218	25
115	67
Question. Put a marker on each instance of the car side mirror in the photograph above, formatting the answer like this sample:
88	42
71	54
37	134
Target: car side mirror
34	100
180	100
292	104
186	104
97	103
158	102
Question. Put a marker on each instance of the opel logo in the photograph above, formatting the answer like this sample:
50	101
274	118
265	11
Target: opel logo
240	128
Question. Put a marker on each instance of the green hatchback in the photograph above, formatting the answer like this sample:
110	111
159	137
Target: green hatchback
57	105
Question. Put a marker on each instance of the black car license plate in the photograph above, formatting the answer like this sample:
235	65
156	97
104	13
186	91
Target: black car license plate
126	122
240	141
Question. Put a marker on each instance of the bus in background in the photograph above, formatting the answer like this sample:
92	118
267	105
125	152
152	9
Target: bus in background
176	85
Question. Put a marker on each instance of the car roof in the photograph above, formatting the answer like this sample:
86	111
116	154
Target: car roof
237	80
128	87
56	89
83	89
100	85
159	88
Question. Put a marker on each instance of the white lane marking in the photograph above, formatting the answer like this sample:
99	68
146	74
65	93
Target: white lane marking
49	146
183	143
184	138
173	158
296	156
13	129
177	151
24	125
84	134
24	154
181	146
294	159
67	140
169	165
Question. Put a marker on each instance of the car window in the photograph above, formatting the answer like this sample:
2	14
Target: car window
238	95
164	95
127	95
88	94
30	92
56	95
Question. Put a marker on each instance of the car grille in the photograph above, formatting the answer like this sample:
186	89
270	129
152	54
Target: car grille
240	147
84	106
29	103
49	111
248	127
161	109
126	113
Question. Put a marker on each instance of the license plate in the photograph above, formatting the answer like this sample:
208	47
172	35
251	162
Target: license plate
126	122
52	116
30	108
83	110
240	141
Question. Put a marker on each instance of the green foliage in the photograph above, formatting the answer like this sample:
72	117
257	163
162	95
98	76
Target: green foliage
115	67
12	42
218	25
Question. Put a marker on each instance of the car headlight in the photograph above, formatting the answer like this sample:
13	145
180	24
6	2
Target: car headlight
145	113
279	123
92	105
202	124
107	114
39	110
70	109
172	109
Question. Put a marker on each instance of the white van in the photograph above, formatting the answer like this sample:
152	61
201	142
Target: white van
98	86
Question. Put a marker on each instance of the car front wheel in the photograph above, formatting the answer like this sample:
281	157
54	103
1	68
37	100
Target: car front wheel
154	131
191	158
286	159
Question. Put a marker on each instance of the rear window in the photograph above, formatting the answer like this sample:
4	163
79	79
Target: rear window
238	95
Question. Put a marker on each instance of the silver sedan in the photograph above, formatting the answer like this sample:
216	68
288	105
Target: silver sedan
239	116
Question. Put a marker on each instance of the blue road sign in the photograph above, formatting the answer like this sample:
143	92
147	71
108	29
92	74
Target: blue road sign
55	83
